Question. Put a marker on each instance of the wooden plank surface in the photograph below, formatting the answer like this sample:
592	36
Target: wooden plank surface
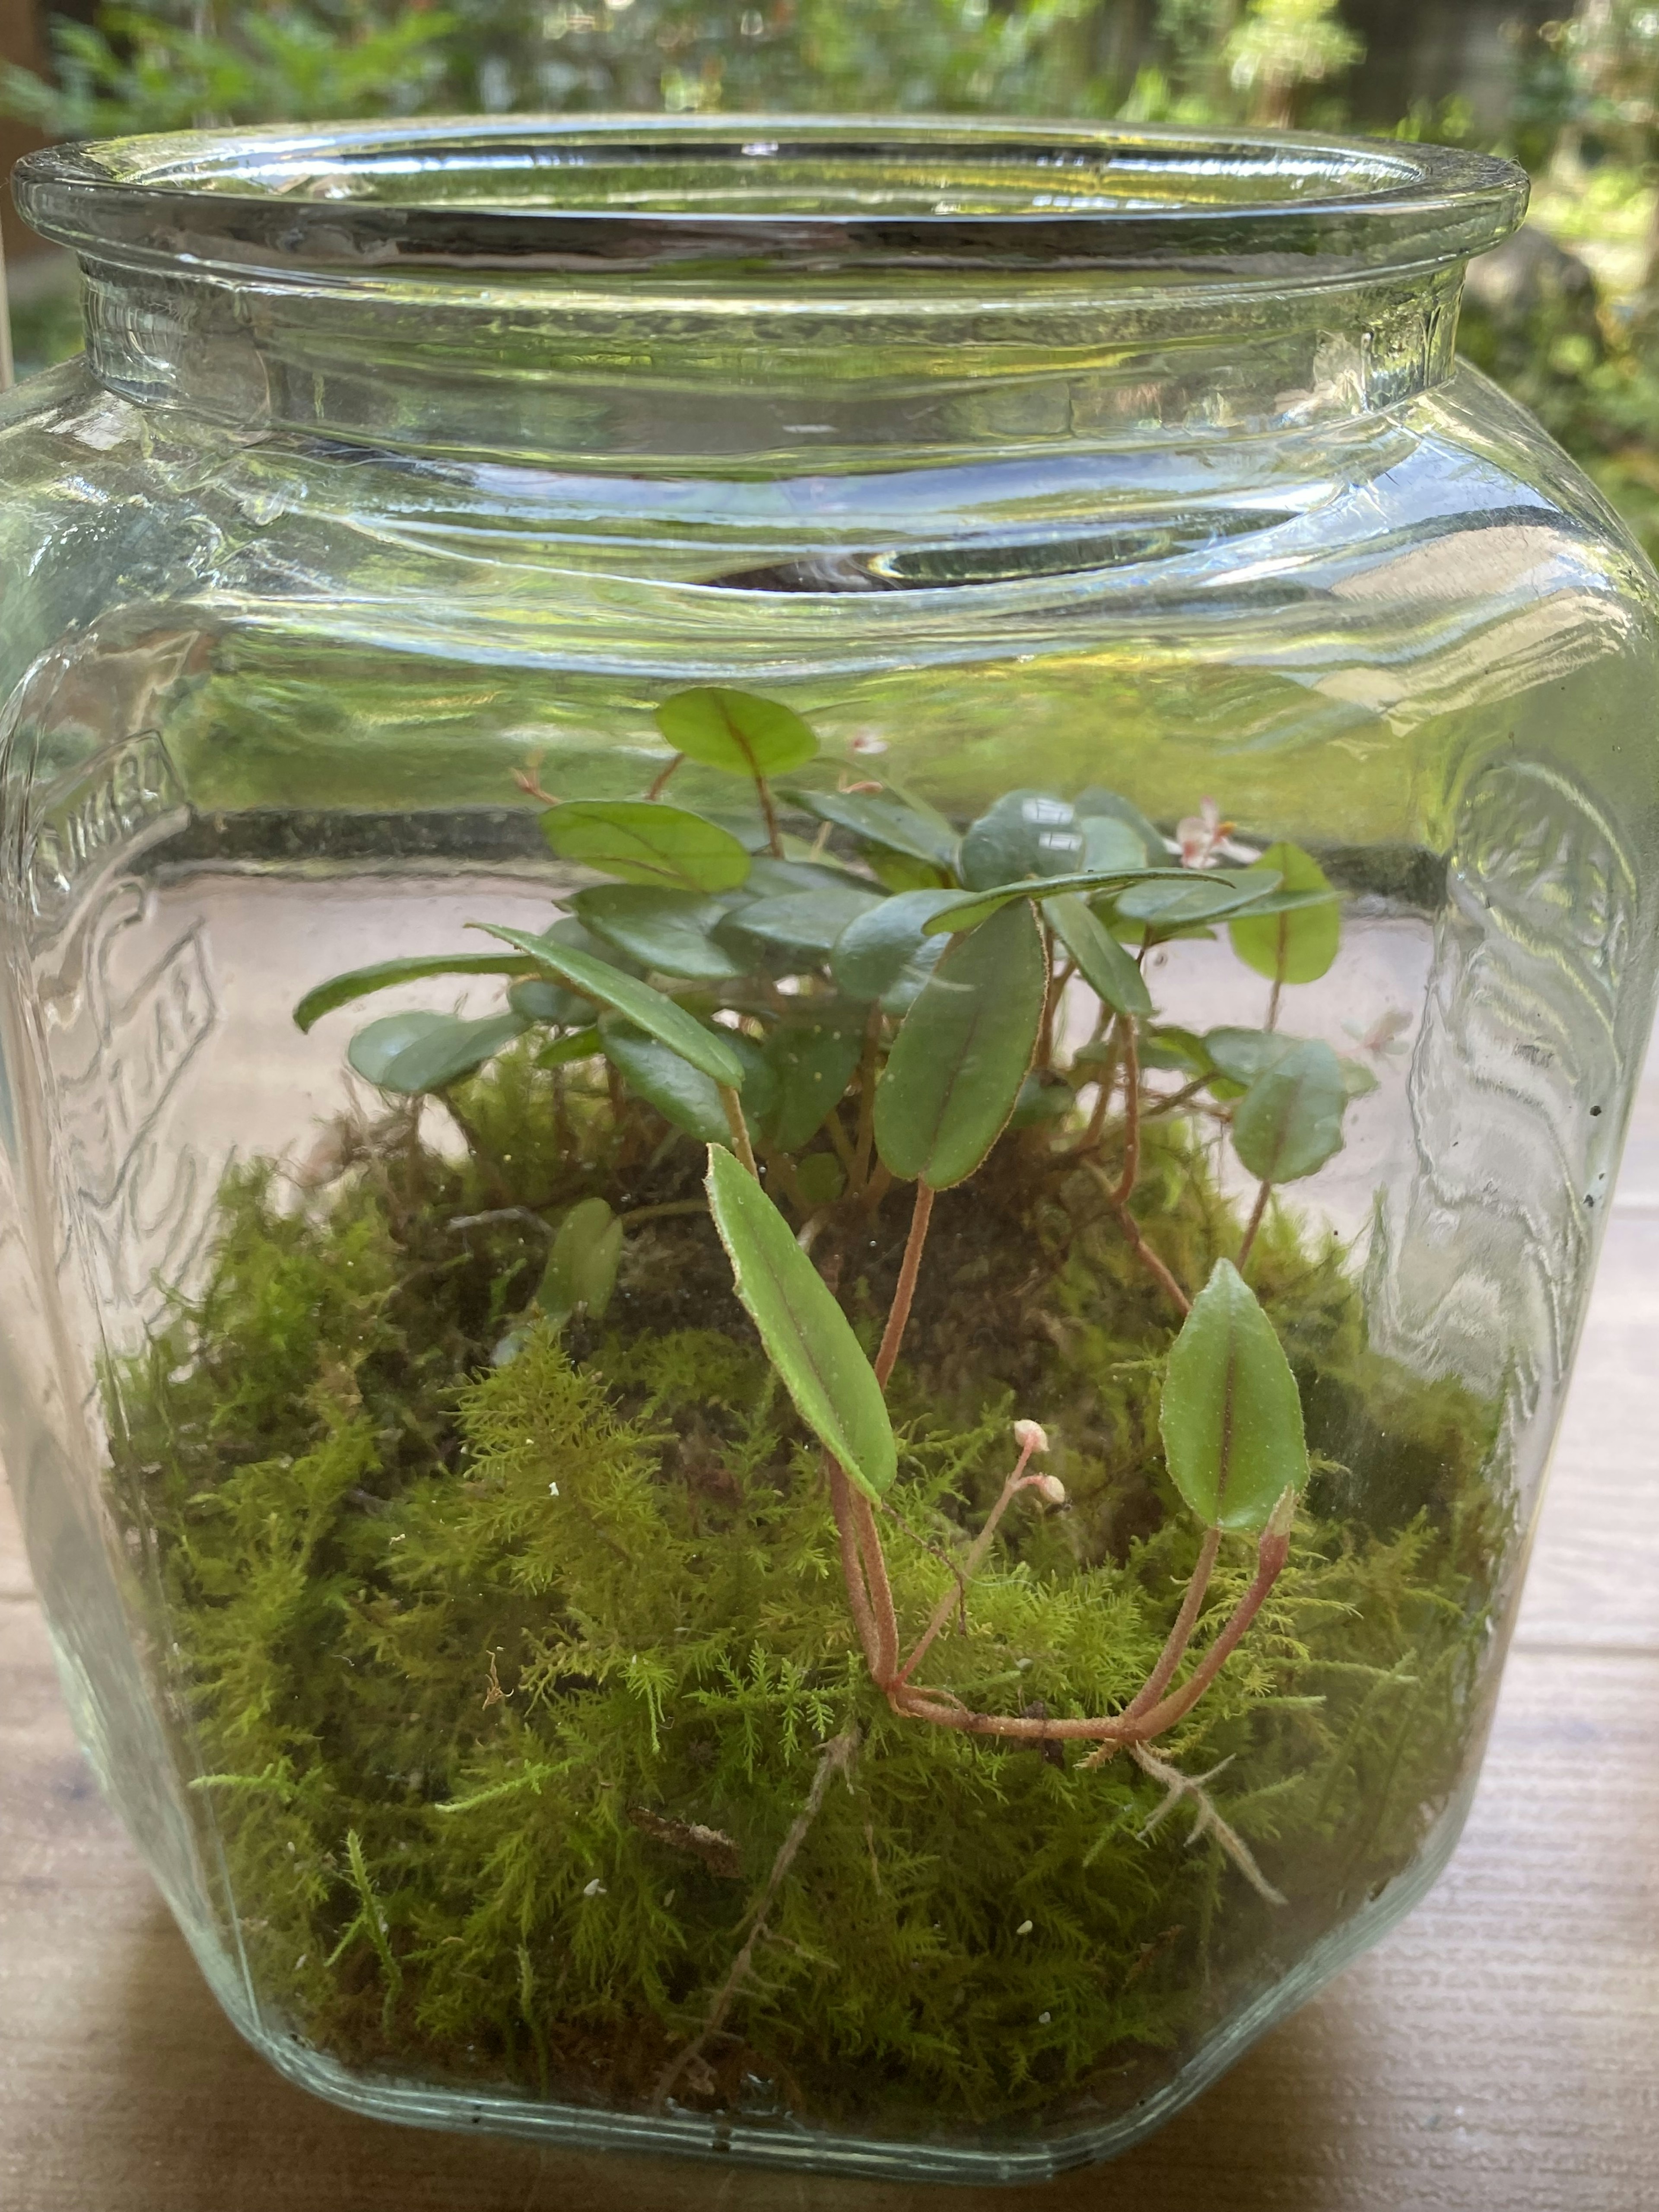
1499	2053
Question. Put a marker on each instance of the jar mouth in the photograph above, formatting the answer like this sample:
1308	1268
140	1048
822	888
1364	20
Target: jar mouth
633	194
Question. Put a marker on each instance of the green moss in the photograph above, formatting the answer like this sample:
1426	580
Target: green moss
466	1650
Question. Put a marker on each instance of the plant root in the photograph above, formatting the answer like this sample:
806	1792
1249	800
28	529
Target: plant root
1207	1820
836	1758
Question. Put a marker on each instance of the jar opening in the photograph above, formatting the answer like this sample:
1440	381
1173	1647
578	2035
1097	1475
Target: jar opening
638	191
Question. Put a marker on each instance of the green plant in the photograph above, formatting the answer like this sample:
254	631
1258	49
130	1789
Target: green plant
618	1652
925	980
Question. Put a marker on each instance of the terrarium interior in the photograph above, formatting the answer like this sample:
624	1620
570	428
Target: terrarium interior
807	1220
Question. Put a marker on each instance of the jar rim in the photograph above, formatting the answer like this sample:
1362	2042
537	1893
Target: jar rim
629	194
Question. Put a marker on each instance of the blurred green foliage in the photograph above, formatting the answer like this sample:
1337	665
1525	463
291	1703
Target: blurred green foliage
1569	320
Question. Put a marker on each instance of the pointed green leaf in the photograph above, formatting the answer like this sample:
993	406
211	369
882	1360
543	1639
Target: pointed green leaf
682	1094
1025	834
1097	805
1231	1418
1288	1122
637	1002
884	952
1103	964
897	871
813	1067
808	1339
967	909
644	842
670	932
964	1050
1296	943
807	921
582	1269
1198	896
877	818
340	990
736	731
417	1052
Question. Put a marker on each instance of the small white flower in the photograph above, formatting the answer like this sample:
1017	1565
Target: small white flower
1025	1927
1043	2018
595	1888
552	1489
1030	1436
1202	838
1382	1038
1050	1489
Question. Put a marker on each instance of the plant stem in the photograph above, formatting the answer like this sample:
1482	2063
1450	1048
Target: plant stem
1181	1635
680	1206
864	1620
769	815
905	1290
1272	1553
1126	1182
661	783
866	1135
836	1758
947	1605
844	1151
1272	1022
1255	1222
1143	1252
740	1128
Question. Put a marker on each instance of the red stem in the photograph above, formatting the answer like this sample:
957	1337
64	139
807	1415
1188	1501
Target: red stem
899	1312
1254	1224
1182	1634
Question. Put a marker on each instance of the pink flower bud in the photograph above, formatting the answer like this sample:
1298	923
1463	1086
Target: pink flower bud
1030	1437
1050	1489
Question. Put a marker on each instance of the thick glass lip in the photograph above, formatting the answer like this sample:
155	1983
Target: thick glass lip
633	194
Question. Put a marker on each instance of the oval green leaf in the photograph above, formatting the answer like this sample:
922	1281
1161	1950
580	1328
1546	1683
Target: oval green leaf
644	842
582	1269
812	1068
340	990
1231	1416
735	730
1288	1122
682	1094
885	950
1103	964
1026	834
538	1000
807	921
414	1053
1095	805
635	1001
808	1339
877	818
964	1050
1298	941
672	932
1243	1054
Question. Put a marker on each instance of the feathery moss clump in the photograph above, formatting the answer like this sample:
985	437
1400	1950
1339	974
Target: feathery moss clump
508	1682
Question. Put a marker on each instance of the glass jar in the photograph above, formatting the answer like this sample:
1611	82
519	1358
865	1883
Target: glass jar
735	677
